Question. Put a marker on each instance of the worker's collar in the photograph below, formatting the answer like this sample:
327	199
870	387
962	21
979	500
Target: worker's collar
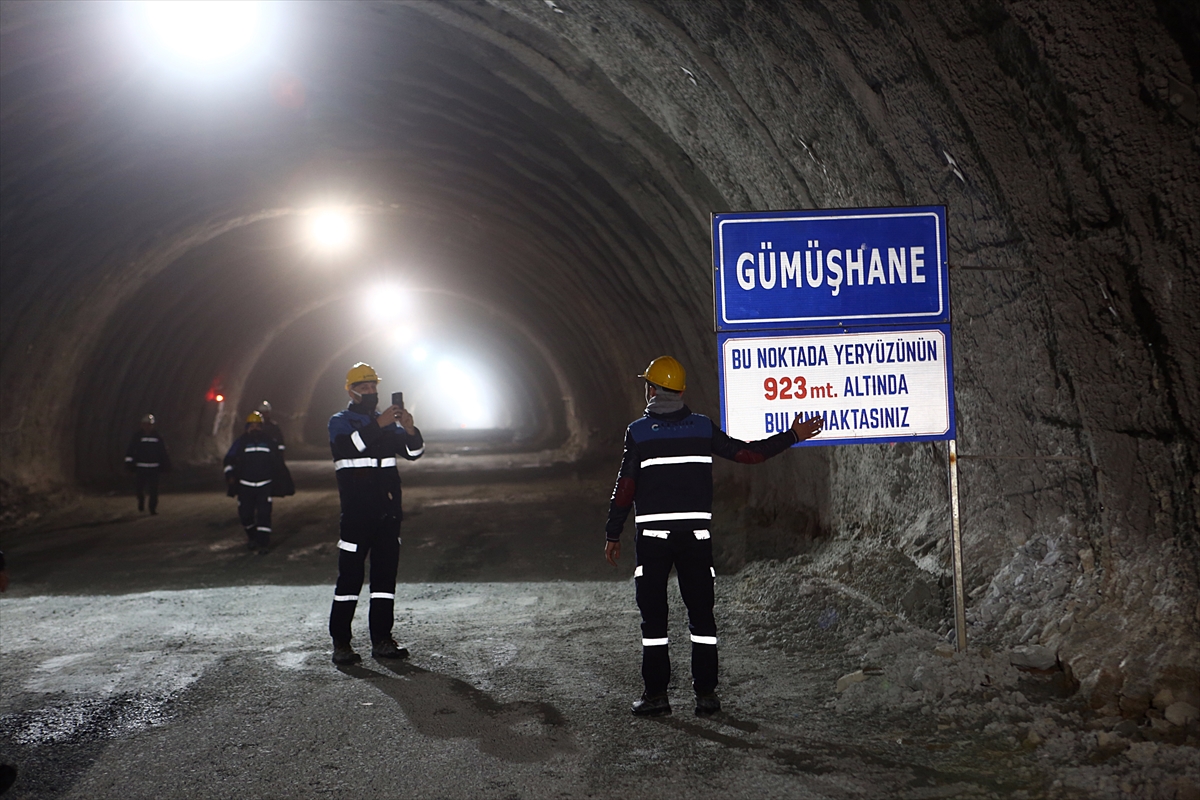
669	416
355	408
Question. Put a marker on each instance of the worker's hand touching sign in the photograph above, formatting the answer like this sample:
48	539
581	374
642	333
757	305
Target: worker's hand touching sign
807	429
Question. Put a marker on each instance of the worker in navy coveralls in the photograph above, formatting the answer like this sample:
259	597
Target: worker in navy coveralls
666	474
365	443
146	457
255	474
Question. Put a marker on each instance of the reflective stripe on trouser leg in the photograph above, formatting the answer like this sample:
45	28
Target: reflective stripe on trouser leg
254	511
349	584
385	558
654	563
693	565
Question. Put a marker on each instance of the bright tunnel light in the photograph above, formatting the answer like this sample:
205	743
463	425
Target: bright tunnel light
387	303
203	32
331	230
467	402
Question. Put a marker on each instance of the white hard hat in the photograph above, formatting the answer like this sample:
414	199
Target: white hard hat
264	406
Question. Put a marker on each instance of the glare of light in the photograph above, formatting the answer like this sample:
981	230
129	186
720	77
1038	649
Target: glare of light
203	32
466	395
331	230
386	302
419	354
402	335
220	398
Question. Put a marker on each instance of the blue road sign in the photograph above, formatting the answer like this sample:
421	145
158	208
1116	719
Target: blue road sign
830	268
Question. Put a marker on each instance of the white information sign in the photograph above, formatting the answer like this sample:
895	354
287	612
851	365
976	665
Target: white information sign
890	384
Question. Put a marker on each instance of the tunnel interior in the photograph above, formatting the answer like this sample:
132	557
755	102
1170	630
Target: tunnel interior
530	187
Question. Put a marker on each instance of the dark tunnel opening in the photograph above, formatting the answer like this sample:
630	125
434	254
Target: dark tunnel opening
528	189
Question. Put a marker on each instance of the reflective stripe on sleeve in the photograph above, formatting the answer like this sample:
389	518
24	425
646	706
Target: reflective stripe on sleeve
149	439
637	571
653	642
345	598
257	449
387	462
414	453
662	460
673	515
147	465
229	468
704	639
713	571
349	547
356	437
655	534
702	534
383	595
355	462
261	528
255	484
129	458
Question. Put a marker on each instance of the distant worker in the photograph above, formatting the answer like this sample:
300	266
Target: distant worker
146	457
365	443
666	473
255	474
268	425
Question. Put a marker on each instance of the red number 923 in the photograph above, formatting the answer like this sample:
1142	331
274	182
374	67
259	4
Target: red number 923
785	388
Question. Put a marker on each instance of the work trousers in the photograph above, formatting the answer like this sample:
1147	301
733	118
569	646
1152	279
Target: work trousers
381	540
254	510
147	483
690	552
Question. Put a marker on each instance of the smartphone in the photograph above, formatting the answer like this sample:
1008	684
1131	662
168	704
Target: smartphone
398	400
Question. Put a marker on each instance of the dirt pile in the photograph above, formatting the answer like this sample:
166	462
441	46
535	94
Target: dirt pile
1023	699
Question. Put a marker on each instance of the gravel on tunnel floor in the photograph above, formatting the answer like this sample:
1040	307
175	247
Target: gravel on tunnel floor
156	657
522	690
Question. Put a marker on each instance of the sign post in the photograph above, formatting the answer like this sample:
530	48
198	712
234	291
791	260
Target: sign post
842	314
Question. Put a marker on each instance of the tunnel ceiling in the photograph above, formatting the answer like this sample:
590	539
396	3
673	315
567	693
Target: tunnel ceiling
558	162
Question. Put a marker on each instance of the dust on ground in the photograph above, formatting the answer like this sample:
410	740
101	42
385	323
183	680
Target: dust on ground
158	657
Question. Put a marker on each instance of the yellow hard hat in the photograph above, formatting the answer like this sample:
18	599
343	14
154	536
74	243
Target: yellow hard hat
254	416
666	372
359	373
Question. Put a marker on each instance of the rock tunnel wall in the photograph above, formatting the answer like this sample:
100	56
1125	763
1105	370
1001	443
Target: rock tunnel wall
571	154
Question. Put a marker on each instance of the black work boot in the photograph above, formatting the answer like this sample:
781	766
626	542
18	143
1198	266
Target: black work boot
707	704
387	648
343	653
652	705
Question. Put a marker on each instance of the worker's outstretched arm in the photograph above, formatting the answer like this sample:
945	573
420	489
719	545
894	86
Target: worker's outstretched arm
726	446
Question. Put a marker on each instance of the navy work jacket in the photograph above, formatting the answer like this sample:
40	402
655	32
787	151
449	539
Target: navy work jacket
364	458
666	471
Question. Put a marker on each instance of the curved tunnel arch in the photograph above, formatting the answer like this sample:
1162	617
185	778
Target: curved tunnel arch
570	161
552	422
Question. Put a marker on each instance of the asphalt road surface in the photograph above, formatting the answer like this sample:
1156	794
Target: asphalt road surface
157	657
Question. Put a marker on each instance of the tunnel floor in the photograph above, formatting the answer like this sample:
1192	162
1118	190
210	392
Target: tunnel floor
157	657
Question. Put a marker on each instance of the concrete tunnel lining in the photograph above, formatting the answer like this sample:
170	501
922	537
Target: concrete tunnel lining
253	296
588	148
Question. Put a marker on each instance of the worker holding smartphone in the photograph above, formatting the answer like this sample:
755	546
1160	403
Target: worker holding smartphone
365	443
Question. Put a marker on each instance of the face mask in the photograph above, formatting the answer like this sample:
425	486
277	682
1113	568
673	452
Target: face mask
367	401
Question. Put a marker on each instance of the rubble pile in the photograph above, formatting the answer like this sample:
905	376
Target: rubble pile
1017	705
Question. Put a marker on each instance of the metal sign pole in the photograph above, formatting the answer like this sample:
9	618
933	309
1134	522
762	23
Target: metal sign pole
960	604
